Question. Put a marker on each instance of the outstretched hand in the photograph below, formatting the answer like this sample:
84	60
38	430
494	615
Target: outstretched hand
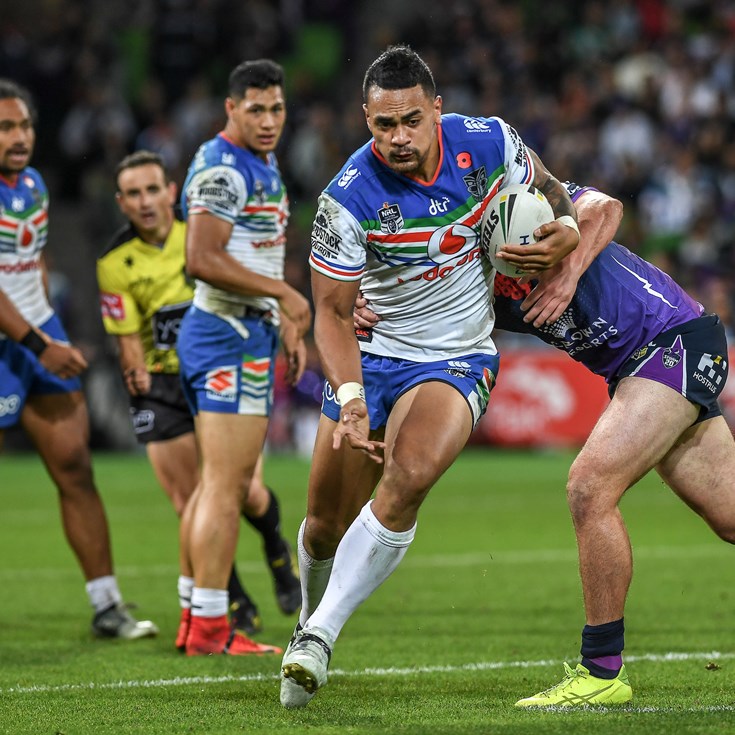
354	428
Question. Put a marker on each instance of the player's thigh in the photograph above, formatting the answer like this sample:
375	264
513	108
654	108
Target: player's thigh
427	429
341	481
58	425
642	422
175	463
700	469
230	445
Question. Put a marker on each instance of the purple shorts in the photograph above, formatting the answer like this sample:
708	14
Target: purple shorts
690	359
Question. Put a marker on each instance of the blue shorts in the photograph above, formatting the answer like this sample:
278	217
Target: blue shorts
22	375
227	364
690	359
386	379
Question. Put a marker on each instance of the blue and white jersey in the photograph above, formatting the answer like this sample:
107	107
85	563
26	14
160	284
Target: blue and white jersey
23	235
236	185
415	244
621	303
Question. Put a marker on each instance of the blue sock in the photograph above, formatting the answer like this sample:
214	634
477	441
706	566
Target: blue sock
602	648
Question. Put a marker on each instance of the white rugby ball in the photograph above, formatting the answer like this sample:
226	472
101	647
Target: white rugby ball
510	217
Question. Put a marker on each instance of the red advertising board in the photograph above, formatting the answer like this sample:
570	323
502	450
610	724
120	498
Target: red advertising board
544	399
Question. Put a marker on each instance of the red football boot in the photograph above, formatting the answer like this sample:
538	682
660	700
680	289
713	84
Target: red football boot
183	632
213	635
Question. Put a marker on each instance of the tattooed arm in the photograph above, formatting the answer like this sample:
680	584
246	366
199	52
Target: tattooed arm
556	239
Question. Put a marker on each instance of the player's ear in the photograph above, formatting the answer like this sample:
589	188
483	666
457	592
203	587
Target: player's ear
438	108
172	192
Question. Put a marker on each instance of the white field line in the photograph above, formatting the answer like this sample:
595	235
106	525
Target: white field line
391	671
531	556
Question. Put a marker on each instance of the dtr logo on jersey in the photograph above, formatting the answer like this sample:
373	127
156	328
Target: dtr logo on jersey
220	383
350	174
451	241
391	218
476	126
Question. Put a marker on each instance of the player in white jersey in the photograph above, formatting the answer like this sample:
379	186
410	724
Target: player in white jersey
39	387
237	211
403	215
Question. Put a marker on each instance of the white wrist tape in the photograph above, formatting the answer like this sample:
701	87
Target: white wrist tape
347	391
568	220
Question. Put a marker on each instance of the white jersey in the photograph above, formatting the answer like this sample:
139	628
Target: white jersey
23	235
233	184
415	245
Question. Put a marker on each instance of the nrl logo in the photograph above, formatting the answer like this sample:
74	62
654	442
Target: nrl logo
639	353
476	183
391	219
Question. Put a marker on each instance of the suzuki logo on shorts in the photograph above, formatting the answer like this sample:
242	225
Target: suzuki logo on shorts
221	384
438	207
9	404
450	242
474	125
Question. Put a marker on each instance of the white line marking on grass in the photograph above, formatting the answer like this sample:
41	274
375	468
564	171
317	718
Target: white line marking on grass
390	671
535	556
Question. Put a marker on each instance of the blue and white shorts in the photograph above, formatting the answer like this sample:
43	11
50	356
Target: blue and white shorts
22	375
386	379
227	364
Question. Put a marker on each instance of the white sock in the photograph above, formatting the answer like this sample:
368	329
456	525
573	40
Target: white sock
103	592
208	603
314	574
367	555
185	586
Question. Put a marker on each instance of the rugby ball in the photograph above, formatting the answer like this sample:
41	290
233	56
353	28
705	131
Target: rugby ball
510	217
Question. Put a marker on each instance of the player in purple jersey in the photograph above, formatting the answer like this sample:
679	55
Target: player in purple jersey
662	358
624	319
402	217
39	387
237	212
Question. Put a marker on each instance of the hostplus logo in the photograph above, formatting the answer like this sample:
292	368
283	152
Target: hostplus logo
711	371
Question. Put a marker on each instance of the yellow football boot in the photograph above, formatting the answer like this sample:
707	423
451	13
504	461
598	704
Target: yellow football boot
579	688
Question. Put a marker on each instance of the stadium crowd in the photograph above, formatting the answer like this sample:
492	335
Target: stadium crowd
636	98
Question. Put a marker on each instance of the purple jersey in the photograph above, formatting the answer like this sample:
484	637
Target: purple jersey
621	303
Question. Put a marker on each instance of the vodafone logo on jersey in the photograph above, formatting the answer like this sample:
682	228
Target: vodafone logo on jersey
450	242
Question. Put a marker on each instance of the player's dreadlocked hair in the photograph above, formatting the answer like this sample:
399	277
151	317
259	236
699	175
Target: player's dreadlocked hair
398	67
10	90
261	74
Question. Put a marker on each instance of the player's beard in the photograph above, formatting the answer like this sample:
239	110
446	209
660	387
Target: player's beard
6	170
405	165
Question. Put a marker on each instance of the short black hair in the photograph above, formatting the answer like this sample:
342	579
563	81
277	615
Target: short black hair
259	73
10	90
398	67
140	158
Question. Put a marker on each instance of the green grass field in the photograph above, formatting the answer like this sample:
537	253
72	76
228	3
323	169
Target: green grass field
483	611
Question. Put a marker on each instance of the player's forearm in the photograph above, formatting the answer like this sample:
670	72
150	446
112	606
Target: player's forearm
12	322
599	217
221	270
338	349
130	352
